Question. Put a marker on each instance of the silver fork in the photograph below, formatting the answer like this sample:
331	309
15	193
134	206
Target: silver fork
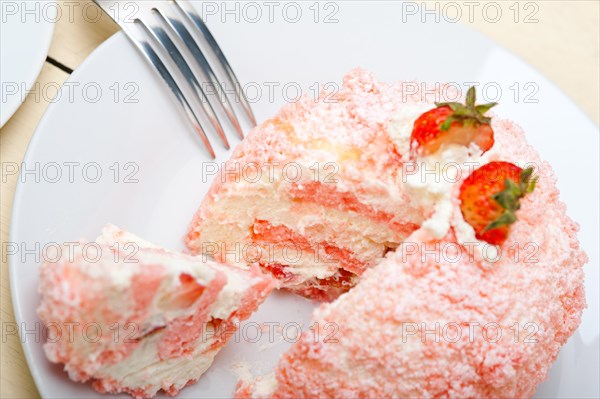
160	27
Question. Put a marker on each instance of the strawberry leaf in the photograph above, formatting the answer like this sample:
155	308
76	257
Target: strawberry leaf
527	183
446	124
483	108
461	110
453	106
506	219
509	198
531	185
470	100
467	113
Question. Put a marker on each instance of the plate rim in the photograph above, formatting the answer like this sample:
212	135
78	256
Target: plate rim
105	46
16	302
12	110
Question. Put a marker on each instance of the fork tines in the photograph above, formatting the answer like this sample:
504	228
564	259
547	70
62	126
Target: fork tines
168	34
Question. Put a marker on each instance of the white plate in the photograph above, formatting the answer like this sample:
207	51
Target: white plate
152	134
26	32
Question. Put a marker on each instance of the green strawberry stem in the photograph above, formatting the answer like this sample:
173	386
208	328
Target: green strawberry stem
510	197
467	113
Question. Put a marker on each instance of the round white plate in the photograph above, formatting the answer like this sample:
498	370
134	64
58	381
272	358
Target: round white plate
139	125
25	33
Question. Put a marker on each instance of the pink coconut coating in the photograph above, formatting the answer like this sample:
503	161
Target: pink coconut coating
384	346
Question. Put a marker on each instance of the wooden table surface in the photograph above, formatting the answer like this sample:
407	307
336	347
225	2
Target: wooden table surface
563	44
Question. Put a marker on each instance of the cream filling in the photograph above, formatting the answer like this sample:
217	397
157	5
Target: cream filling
370	188
433	180
230	297
435	191
227	300
142	367
367	239
401	126
305	265
119	240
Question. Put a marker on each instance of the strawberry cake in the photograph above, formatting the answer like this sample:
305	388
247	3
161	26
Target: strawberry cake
467	272
132	317
314	195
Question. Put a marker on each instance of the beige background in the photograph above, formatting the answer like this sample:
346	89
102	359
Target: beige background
563	44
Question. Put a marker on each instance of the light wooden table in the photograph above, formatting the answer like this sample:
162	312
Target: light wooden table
563	44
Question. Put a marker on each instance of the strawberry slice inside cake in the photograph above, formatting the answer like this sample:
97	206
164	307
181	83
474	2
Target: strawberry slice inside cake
140	318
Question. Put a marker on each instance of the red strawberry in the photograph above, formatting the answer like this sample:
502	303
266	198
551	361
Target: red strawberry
490	196
453	123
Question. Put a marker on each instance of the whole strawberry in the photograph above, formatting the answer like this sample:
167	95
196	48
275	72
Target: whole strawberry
489	198
453	123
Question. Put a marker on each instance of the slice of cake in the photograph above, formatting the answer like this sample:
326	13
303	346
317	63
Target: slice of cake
314	195
132	317
476	302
